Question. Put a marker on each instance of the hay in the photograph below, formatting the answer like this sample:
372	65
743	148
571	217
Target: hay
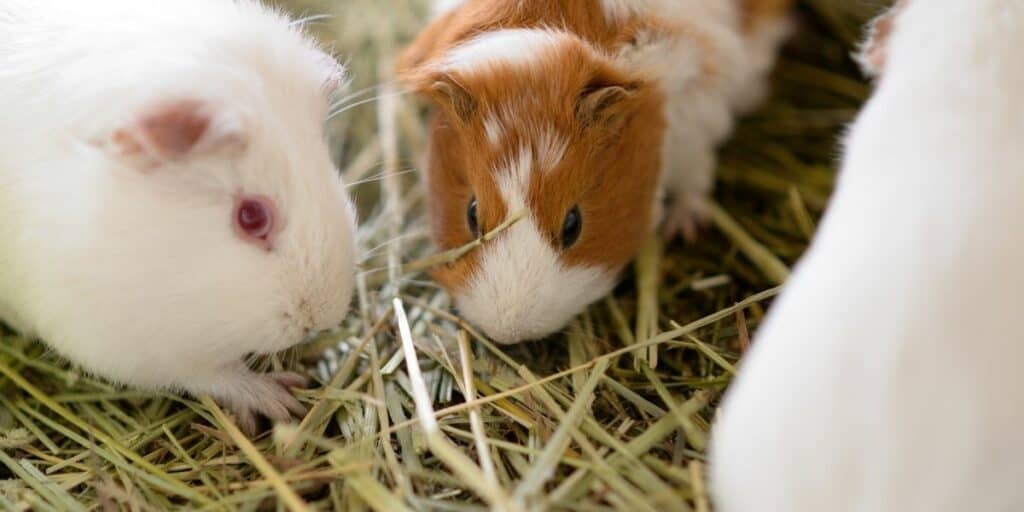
414	409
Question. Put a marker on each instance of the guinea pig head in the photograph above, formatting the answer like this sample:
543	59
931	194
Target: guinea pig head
240	228
537	126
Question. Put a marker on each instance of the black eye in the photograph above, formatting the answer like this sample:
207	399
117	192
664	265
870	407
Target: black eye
571	227
471	219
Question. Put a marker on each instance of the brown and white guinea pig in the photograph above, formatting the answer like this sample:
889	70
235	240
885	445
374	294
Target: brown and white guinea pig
167	200
585	113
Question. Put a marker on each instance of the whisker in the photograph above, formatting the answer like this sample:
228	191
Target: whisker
383	245
345	108
351	96
378	177
375	270
310	19
340	111
340	102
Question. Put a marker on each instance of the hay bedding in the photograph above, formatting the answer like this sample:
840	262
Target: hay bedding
613	415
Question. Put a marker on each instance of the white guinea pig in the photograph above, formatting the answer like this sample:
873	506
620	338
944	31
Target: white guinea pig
578	112
167	200
887	376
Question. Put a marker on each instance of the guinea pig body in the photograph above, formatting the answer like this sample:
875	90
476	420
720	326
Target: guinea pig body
886	377
581	114
168	200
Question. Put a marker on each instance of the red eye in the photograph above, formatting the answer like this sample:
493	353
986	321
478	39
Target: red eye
254	219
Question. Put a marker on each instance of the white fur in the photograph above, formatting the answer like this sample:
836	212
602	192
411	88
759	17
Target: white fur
513	47
550	148
514	177
700	109
494	130
138	276
519	292
887	376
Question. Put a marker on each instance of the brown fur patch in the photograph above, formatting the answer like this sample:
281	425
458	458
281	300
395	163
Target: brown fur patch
756	12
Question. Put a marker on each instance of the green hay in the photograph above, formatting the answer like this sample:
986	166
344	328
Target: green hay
614	415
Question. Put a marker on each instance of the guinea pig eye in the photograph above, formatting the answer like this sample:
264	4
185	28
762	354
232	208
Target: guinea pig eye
254	218
472	220
571	227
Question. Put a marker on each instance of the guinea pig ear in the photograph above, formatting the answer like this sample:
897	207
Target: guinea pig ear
446	92
873	53
605	101
173	132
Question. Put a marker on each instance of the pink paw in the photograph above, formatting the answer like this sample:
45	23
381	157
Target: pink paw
686	216
268	395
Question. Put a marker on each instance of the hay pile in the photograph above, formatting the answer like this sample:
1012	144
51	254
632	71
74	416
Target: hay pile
614	415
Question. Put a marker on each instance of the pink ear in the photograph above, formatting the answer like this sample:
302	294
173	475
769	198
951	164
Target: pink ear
173	131
874	51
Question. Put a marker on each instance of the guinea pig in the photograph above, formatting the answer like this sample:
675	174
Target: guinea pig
168	204
887	375
583	114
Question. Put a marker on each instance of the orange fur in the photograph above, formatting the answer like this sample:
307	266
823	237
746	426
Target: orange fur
581	17
613	124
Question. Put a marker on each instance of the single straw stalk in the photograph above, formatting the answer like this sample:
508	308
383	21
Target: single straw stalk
439	444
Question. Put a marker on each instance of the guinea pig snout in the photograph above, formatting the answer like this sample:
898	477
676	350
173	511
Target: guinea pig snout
521	290
313	318
312	335
507	322
307	317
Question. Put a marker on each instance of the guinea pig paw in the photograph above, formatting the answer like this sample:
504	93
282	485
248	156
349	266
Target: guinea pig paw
267	395
685	217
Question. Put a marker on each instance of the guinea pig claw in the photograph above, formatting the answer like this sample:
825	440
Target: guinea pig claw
246	421
290	379
278	403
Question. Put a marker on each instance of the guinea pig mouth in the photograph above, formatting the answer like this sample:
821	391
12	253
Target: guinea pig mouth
514	329
538	312
307	337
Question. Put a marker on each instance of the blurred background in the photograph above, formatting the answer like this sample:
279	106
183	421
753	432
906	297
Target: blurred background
635	443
